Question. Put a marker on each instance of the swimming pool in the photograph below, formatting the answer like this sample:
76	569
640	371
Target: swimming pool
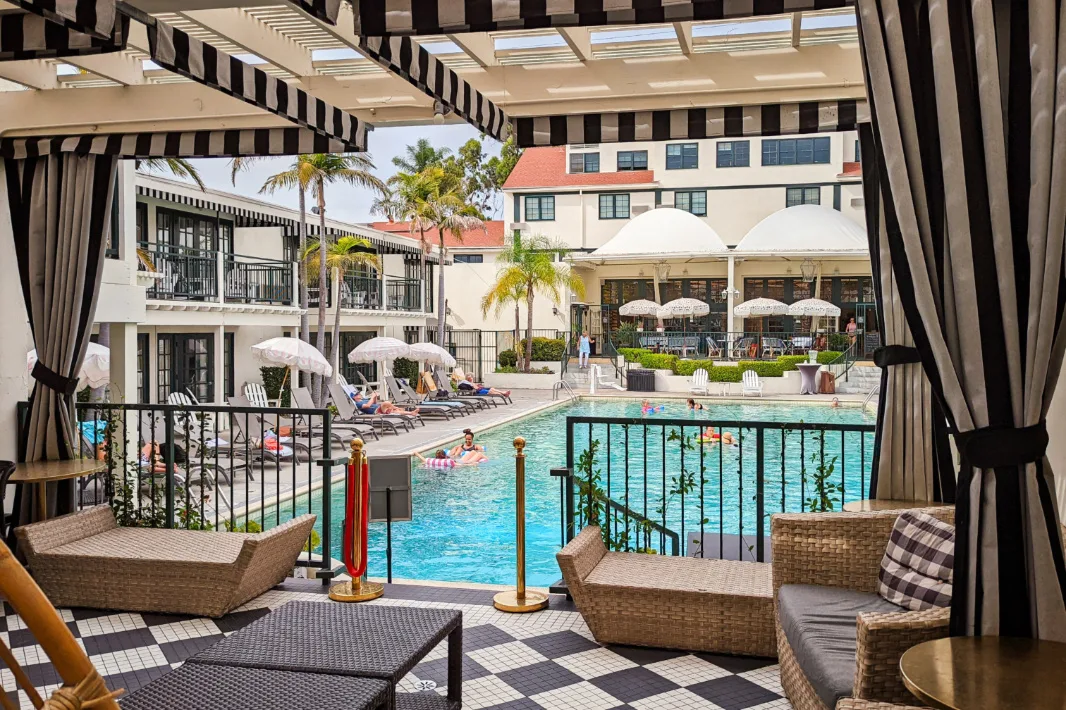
464	519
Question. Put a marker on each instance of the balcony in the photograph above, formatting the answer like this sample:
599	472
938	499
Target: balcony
374	293
190	274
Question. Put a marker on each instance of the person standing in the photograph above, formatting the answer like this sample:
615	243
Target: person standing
584	347
852	329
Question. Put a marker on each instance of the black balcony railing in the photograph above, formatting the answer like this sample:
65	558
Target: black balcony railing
670	486
212	467
188	274
404	294
360	291
250	279
722	345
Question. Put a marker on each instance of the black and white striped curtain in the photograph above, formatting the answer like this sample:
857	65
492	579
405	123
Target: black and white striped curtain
60	210
28	36
912	455
92	17
969	118
325	10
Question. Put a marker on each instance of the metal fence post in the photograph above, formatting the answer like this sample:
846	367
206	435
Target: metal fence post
388	533
327	503
480	357
760	494
168	431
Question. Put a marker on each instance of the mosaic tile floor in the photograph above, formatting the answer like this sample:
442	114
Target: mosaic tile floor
543	661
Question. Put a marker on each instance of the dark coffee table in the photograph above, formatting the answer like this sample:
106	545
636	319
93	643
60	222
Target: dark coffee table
365	641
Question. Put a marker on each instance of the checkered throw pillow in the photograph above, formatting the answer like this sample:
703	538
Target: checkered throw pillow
916	569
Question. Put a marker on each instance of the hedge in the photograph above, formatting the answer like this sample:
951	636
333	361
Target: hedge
272	377
545	349
688	367
827	356
724	373
406	369
507	358
633	354
762	368
789	362
658	361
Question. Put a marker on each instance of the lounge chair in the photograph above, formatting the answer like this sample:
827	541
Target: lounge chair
301	397
85	560
400	395
700	382
347	412
286	447
712	347
440	390
751	383
255	393
460	378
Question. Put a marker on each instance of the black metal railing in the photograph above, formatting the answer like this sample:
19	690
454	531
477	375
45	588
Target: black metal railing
403	294
478	351
361	291
671	486
250	279
721	345
188	274
210	467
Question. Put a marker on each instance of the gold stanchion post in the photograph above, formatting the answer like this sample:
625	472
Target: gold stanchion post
356	590
520	600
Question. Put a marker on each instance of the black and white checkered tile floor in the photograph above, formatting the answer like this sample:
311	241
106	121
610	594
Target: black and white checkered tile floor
539	661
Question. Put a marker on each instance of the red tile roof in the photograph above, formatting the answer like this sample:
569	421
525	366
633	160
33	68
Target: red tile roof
491	236
851	170
546	167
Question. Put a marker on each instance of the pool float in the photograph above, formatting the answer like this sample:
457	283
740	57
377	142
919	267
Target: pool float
712	439
653	410
440	463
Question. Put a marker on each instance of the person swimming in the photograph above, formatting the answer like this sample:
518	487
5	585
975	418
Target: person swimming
695	406
710	436
646	408
836	403
467	446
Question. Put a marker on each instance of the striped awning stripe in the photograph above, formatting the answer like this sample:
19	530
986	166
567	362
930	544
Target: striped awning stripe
412	62
325	10
92	17
179	144
429	17
29	36
182	54
691	123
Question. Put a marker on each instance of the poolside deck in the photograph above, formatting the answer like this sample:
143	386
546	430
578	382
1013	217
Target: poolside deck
546	660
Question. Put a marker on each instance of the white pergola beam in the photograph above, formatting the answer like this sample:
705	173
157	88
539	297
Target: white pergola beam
31	73
255	37
118	67
797	26
683	30
479	46
577	38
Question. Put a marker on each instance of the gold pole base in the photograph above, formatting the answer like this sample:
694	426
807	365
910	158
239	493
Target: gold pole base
347	592
509	601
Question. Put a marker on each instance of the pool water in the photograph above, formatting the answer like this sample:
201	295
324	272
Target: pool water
464	518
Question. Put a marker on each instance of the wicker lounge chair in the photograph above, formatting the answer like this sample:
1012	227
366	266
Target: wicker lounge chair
85	560
841	553
636	599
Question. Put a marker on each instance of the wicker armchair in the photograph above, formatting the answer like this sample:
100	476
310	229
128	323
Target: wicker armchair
844	550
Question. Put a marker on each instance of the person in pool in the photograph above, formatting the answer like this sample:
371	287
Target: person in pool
467	446
469	385
646	407
836	403
695	406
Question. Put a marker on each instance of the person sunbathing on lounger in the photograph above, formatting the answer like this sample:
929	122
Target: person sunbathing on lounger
470	386
374	405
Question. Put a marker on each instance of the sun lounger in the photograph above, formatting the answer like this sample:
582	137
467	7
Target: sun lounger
399	395
347	412
340	431
441	390
465	388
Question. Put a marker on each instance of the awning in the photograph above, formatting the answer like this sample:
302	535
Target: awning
325	10
91	17
29	36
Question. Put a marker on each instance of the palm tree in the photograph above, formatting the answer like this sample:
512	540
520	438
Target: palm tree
389	204
343	255
177	166
420	156
530	265
314	172
412	193
502	293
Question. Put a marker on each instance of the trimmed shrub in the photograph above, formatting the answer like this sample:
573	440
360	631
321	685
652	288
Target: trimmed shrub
633	354
658	361
545	349
272	377
512	370
724	373
688	367
407	369
839	341
789	362
827	356
762	368
507	358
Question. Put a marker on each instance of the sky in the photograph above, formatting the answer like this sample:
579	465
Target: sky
343	202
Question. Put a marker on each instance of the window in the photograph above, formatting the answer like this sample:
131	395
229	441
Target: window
411	334
795	151
614	206
227	360
186	362
468	258
632	160
858	152
351	371
193	231
803	196
584	162
142	222
694	202
540	208
733	154
142	368
682	156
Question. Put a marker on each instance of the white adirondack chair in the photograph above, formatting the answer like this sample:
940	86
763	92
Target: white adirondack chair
751	383
257	395
700	381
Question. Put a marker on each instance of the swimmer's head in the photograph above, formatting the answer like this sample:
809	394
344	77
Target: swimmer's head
440	454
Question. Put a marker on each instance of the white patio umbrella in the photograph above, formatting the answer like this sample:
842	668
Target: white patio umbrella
683	307
433	354
813	307
640	307
379	349
760	307
292	353
95	369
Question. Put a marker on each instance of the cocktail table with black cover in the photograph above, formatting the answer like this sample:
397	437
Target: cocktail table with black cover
209	687
368	641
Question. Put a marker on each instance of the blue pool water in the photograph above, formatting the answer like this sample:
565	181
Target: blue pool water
464	518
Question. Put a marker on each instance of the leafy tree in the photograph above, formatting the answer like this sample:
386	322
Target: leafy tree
420	156
389	203
530	265
177	166
482	177
314	172
345	254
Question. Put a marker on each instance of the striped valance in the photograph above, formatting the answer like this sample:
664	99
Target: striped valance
233	143
325	10
408	60
29	36
691	123
431	17
182	54
91	17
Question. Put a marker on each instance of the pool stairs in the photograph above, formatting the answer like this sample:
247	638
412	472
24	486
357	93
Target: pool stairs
861	379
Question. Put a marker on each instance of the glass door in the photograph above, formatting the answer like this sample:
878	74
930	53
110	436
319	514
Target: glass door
868	331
